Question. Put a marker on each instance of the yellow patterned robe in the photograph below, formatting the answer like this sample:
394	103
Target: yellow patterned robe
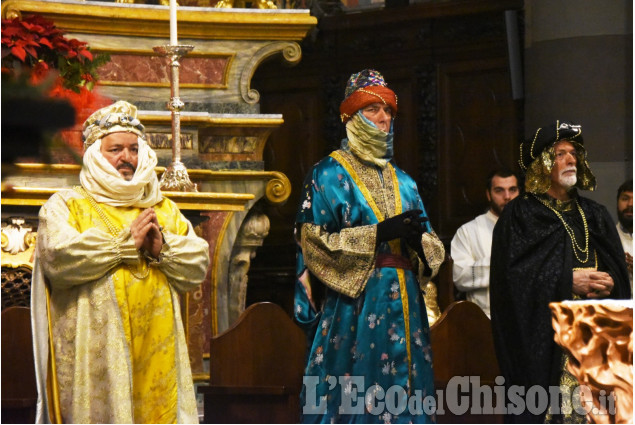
118	338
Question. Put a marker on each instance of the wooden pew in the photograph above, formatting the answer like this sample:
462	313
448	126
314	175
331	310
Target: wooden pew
19	390
462	345
256	369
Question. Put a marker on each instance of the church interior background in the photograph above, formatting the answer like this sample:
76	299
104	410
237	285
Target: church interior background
261	90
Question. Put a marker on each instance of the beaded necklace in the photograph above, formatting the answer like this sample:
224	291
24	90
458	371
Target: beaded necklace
112	229
570	232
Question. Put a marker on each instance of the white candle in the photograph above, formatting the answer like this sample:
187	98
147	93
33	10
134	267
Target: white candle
173	37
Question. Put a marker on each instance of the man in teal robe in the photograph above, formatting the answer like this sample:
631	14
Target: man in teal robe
365	250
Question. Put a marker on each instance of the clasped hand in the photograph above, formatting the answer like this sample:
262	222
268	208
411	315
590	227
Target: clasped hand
146	232
592	283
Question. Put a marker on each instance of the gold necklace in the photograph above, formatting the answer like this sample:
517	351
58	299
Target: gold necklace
112	229
569	230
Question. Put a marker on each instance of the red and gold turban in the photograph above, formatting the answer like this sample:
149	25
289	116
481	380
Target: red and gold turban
363	89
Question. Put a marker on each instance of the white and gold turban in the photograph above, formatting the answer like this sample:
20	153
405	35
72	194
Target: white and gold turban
115	118
100	178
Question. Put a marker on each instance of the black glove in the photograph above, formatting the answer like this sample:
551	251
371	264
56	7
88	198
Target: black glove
408	225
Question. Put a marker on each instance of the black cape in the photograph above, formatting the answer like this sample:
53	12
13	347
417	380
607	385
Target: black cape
531	266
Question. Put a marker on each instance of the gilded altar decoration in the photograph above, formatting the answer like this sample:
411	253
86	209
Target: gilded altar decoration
18	243
258	4
598	335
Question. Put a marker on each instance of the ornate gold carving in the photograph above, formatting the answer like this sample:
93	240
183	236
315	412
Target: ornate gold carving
259	4
278	188
152	21
18	243
277	191
598	334
18	246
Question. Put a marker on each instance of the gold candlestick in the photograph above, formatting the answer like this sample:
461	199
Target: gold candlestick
175	177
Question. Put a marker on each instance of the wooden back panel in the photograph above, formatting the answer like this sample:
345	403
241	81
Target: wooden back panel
256	369
445	284
463	345
19	390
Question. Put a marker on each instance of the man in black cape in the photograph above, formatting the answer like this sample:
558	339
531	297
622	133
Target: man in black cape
549	245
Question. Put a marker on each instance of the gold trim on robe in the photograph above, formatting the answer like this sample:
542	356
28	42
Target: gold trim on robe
100	314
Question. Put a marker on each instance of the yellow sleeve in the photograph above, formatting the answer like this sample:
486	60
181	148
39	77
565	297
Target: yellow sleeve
71	258
184	255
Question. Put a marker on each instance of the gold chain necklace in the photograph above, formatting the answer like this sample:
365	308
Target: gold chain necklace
112	229
569	229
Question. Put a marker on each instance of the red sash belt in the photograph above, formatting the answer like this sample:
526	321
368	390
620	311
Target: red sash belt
393	260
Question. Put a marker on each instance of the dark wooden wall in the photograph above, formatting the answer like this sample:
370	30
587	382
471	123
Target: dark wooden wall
448	63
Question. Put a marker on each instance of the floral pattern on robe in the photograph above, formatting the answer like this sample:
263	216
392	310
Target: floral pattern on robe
367	326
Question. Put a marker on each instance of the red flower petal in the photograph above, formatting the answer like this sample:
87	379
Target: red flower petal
46	42
30	50
18	52
86	54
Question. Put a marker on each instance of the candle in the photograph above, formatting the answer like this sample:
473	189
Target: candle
173	37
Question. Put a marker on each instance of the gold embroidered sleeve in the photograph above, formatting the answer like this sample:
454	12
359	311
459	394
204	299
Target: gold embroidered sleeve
435	254
342	261
72	258
184	257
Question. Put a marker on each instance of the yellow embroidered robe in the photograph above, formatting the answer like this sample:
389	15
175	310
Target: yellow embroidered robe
118	338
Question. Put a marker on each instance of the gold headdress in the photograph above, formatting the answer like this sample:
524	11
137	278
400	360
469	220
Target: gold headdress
537	157
121	116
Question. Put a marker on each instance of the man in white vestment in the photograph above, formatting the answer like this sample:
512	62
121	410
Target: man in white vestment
112	257
472	244
625	222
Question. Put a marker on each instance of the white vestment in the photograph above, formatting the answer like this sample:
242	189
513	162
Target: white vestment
471	250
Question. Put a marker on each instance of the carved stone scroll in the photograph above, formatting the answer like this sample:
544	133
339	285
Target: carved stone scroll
253	231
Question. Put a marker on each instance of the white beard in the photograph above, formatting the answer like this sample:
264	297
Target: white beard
568	181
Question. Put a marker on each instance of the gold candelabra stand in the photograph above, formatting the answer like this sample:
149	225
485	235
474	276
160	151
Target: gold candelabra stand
175	177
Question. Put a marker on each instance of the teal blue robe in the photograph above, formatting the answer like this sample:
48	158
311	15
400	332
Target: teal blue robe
367	361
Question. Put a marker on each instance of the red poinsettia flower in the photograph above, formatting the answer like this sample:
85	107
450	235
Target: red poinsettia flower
34	42
35	48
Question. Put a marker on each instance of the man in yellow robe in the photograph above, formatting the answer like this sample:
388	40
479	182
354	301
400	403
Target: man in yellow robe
114	254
